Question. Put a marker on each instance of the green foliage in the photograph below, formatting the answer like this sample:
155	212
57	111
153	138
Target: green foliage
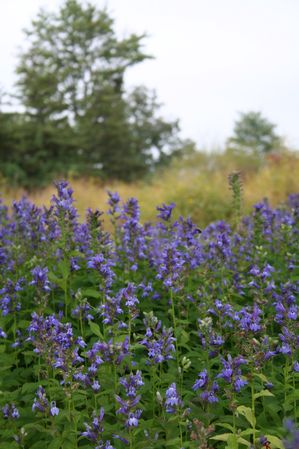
78	116
218	309
254	134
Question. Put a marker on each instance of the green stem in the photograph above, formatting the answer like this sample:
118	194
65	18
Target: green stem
65	299
75	423
177	357
181	433
115	385
234	416
53	300
69	409
253	412
131	439
81	324
14	337
294	390
129	331
286	380
175	331
39	369
153	375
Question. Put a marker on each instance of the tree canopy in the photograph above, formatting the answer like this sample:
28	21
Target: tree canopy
253	133
78	115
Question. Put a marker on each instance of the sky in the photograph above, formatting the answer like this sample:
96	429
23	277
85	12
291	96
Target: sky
213	59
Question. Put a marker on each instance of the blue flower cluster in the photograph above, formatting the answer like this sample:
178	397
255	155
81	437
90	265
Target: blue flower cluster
115	333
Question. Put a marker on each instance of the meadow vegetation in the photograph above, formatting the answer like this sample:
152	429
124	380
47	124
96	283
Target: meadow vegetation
160	335
154	304
198	184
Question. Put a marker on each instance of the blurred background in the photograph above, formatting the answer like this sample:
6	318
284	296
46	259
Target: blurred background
161	100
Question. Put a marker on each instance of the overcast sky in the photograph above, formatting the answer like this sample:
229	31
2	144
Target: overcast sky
213	58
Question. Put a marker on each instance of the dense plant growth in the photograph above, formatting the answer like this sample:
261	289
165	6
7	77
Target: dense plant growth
157	336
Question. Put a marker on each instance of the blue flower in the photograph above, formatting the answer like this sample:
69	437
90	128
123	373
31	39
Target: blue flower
202	381
172	401
53	409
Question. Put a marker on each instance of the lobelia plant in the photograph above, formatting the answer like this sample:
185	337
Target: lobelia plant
160	335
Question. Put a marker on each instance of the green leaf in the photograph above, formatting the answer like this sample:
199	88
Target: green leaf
91	293
8	446
39	445
246	432
262	377
55	444
263	393
243	441
173	442
247	413
56	280
95	329
232	442
64	268
225	426
222	437
291	398
29	387
68	444
275	442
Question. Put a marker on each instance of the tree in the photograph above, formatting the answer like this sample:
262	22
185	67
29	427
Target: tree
254	134
25	150
71	79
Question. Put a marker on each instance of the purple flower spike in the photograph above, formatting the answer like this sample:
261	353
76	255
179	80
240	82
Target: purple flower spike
173	401
165	211
202	381
10	411
128	406
40	279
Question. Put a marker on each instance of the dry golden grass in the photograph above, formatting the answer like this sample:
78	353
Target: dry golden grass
198	186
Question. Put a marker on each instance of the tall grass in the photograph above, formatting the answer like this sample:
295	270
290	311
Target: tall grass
197	184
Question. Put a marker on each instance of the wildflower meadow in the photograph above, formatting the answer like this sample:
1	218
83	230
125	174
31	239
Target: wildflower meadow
156	335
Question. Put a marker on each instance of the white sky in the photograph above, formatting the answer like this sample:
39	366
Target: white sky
213	58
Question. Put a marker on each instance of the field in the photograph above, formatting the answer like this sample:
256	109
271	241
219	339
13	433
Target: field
171	334
198	185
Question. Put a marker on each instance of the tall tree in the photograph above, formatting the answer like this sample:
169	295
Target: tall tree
72	77
71	54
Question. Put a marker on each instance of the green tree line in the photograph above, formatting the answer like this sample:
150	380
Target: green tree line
78	117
